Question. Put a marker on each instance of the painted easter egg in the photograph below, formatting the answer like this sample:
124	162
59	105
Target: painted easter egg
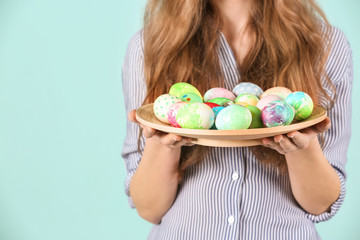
282	92
248	87
181	88
162	104
242	104
222	101
233	117
277	113
212	105
256	121
195	116
266	100
216	111
302	103
218	93
173	110
191	97
248	98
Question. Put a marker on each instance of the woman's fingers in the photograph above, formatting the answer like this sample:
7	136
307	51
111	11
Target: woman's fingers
132	116
323	126
266	141
287	145
183	142
172	140
300	140
148	132
169	139
318	128
269	142
166	139
296	140
189	143
280	143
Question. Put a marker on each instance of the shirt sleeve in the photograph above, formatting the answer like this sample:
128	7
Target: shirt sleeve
336	140
134	91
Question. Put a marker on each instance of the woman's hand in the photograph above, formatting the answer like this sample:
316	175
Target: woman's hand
314	182
296	140
167	139
154	185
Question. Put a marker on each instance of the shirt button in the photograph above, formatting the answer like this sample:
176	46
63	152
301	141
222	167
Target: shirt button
231	220
235	176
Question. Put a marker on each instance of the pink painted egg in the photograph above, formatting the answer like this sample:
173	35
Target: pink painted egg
218	93
173	110
282	92
266	100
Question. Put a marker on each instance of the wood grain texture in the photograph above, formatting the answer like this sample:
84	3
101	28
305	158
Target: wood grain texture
227	138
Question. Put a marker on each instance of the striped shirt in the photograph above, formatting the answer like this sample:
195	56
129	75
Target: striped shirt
231	195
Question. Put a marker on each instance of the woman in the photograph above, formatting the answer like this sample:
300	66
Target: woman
275	191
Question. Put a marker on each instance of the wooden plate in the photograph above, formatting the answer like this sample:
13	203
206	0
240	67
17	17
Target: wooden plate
227	138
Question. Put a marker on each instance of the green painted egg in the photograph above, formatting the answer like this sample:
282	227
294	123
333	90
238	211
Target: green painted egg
191	97
248	98
233	117
181	88
222	101
302	103
256	117
195	116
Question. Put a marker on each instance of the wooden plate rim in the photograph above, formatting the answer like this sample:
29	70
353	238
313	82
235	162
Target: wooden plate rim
243	133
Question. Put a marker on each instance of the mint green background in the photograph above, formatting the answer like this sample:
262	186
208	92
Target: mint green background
62	120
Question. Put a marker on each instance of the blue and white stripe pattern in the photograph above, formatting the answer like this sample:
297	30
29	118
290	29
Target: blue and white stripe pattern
230	195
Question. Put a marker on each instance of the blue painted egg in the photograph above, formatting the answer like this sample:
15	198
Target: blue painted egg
248	87
277	113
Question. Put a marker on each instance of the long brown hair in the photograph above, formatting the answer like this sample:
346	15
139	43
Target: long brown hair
181	40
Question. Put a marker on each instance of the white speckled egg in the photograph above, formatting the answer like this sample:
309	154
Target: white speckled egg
162	105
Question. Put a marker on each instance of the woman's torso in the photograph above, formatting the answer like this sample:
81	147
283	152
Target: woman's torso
231	195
